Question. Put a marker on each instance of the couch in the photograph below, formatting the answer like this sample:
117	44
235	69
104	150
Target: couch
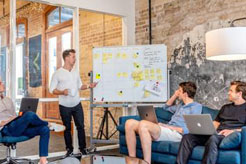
232	151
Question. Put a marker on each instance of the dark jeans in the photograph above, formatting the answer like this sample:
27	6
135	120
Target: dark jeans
30	125
78	116
189	141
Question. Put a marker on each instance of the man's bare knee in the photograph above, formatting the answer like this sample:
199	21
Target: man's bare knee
131	124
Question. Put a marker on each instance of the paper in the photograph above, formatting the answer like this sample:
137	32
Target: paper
153	87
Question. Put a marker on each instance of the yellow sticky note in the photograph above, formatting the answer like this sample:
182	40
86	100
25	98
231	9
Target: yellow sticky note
146	94
146	71
119	74
159	77
125	74
124	56
120	93
136	84
147	77
152	71
158	71
118	55
96	56
136	65
135	56
98	76
152	77
110	56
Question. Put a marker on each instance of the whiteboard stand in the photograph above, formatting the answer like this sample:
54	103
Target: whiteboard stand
92	106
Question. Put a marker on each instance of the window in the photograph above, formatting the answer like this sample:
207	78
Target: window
59	15
21	30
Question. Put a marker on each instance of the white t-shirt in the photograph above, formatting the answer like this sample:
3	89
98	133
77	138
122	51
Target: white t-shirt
7	109
63	79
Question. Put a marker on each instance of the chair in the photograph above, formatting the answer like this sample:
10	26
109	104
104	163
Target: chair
10	143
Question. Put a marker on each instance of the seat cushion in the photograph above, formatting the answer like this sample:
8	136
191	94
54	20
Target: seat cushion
161	147
212	112
232	141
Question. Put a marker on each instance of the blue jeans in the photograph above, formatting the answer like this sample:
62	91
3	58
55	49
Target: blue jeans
30	125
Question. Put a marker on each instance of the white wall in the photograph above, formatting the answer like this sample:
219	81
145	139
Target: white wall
124	8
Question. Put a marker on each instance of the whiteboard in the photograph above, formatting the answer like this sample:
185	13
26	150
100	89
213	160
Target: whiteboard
130	73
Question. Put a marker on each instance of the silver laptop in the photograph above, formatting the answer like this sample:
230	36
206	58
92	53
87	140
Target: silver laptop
201	124
147	113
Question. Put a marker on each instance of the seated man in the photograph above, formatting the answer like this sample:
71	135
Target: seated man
29	124
172	131
231	118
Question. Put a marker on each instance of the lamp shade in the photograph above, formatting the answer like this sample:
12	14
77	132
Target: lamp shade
226	44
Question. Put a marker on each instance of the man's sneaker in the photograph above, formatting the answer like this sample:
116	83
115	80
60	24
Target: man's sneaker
56	127
68	154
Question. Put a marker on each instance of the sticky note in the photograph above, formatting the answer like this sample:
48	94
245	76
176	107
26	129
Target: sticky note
98	76
146	71
152	77
159	77
96	56
125	74
152	71
118	55
136	65
135	56
146	94
119	74
124	56
158	71
136	84
120	93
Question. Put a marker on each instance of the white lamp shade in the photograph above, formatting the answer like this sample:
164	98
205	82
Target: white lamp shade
226	44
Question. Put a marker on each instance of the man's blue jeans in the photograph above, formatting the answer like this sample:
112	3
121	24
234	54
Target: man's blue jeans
30	125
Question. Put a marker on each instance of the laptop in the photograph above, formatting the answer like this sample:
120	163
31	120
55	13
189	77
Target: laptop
201	124
27	104
147	113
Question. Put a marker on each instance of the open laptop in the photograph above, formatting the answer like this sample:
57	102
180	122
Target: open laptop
147	113
27	104
201	124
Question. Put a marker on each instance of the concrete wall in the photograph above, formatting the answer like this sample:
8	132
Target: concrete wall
181	25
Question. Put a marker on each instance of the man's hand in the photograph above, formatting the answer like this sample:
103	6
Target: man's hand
176	93
93	85
226	132
2	123
65	92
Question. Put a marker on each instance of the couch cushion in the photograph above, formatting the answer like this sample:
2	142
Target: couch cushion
212	112
162	147
232	141
162	115
225	157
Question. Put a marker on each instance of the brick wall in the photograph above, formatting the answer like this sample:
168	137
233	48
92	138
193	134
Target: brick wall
96	30
173	20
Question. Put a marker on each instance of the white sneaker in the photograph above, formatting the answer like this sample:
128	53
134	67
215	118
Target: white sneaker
56	127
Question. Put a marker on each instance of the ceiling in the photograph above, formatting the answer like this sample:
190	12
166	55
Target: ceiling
4	6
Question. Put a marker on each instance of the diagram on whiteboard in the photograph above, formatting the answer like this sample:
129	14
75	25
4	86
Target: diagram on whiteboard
130	74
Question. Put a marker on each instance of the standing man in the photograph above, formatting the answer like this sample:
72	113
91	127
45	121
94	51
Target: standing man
172	131
66	83
231	118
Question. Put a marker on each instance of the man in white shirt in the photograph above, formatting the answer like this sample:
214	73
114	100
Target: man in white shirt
66	83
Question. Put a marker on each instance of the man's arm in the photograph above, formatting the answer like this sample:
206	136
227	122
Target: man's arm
59	92
91	85
2	123
173	98
216	124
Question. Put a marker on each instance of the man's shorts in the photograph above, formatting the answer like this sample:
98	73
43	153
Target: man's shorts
167	134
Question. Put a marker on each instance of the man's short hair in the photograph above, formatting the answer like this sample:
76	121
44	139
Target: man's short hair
67	53
240	87
189	88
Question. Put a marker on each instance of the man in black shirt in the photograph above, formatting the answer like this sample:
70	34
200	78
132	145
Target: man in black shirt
231	118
